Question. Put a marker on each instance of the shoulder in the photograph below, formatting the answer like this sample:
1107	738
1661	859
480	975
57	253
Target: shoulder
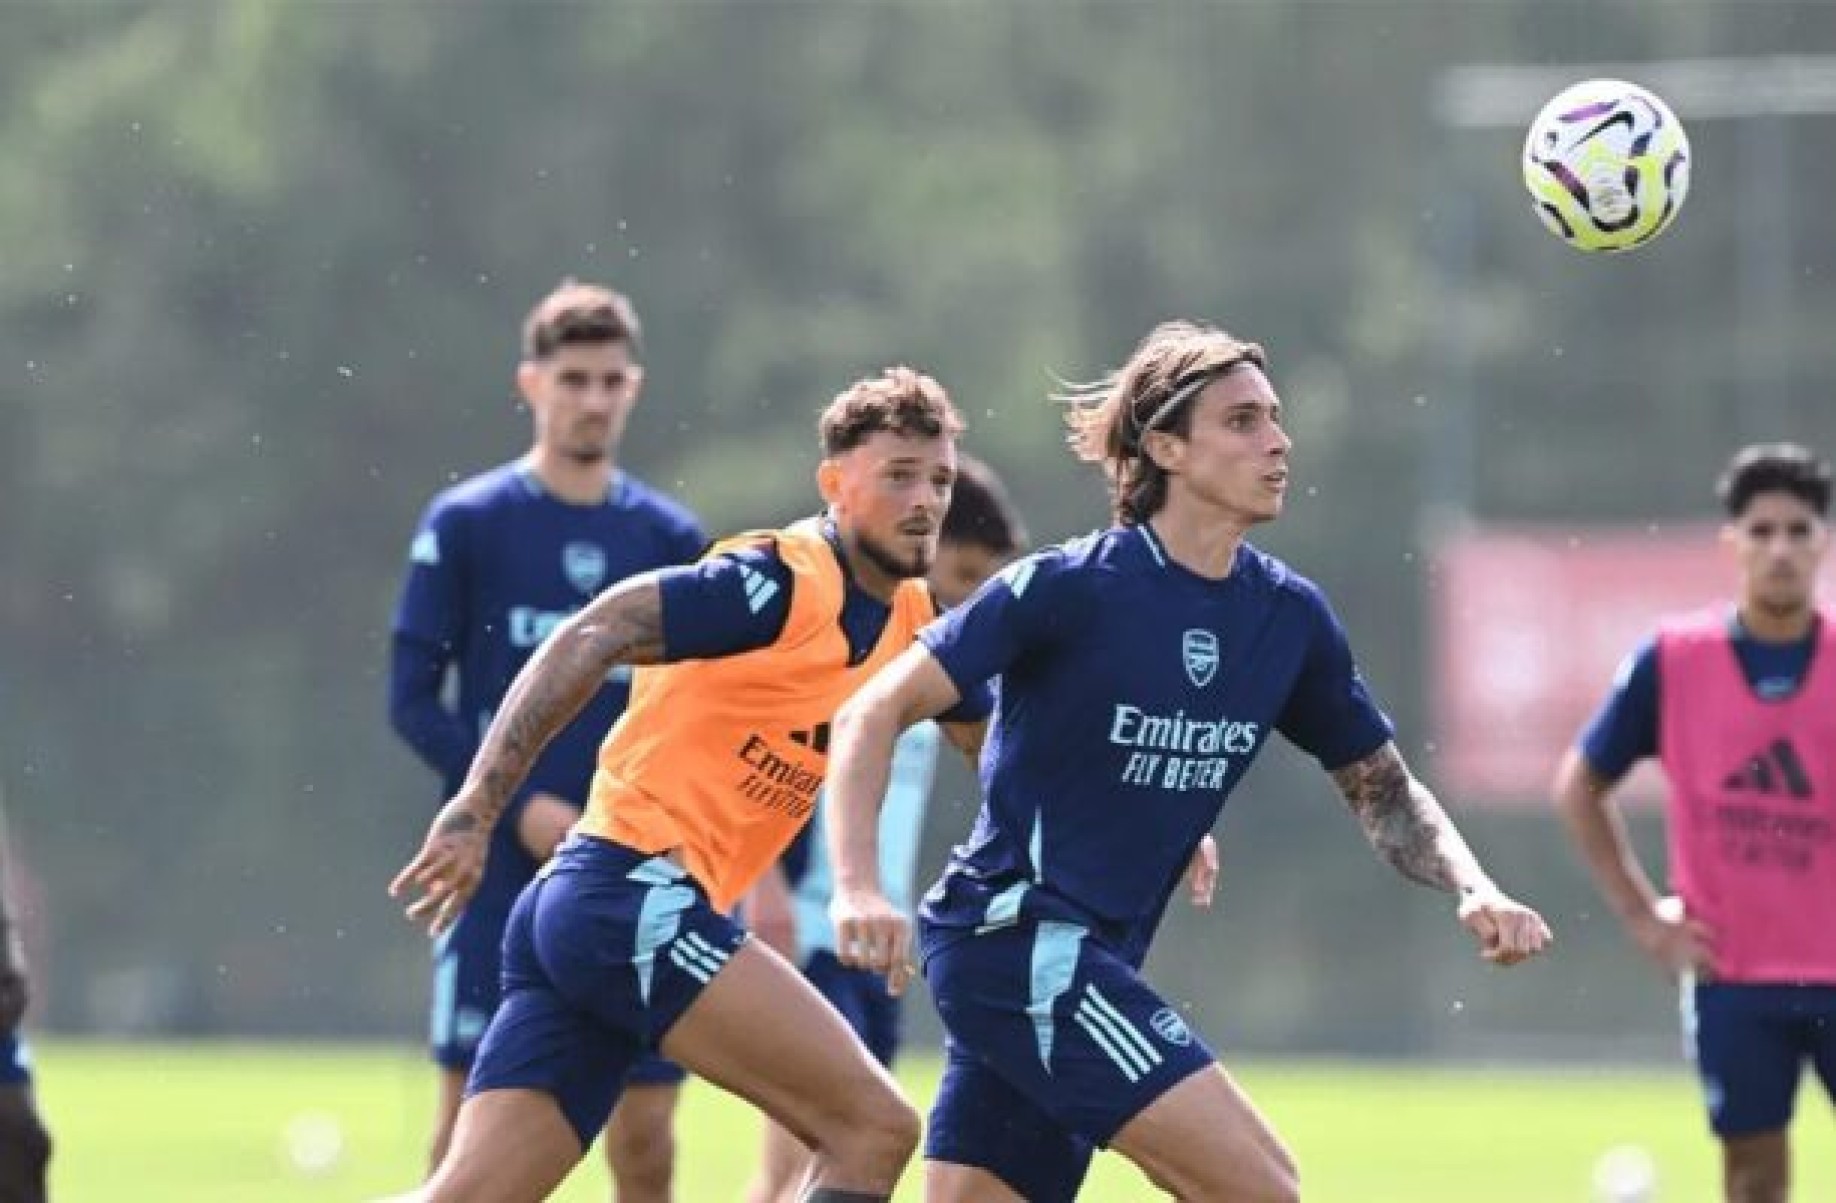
637	494
1694	627
1284	585
486	491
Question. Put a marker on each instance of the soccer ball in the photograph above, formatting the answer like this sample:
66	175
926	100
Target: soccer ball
1607	165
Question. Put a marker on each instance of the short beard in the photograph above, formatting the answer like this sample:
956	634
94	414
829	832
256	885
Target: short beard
890	564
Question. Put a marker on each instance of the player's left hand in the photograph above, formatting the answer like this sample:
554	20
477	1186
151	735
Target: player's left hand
1507	930
1202	873
447	869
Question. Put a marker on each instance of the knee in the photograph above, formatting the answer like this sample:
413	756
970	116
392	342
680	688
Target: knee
642	1158
1757	1171
877	1128
897	1124
1759	1183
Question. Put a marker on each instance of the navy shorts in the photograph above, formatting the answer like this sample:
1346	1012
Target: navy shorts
604	951
860	995
15	1061
1056	1036
468	963
1750	1044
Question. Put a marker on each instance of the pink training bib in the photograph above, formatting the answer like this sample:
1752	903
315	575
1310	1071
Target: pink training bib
1752	808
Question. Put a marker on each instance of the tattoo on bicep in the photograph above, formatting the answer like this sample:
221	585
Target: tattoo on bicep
1401	819
623	626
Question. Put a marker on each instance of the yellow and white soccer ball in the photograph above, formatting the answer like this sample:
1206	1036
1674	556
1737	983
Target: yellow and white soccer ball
1607	165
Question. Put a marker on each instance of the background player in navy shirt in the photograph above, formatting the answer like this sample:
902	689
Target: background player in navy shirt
1141	670
25	1145
497	563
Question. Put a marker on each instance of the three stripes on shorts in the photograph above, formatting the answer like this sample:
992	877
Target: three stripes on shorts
1113	1032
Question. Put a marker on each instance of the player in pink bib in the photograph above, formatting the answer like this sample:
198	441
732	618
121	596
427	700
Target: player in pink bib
1739	707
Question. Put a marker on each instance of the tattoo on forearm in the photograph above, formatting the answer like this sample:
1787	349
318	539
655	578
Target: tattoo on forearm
458	822
624	626
1404	823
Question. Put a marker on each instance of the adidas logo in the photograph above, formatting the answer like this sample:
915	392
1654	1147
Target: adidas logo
759	588
1774	770
816	738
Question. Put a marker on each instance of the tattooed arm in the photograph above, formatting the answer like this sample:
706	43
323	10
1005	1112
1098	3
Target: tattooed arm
624	625
1409	829
1406	825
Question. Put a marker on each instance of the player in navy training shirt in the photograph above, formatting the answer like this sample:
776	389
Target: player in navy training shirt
1141	670
25	1145
497	563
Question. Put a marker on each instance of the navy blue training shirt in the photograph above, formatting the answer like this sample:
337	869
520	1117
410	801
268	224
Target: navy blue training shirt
1625	728
1134	694
496	565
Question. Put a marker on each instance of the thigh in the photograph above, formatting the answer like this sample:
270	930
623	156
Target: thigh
760	1030
25	1146
509	1146
1205	1139
1746	1056
1064	1021
985	1141
538	1041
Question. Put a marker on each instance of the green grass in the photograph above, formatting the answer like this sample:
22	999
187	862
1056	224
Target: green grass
203	1123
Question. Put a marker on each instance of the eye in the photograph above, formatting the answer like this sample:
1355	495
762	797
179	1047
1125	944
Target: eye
616	380
1762	531
573	378
1799	530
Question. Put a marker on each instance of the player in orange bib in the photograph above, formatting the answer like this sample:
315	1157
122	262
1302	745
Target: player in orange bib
623	944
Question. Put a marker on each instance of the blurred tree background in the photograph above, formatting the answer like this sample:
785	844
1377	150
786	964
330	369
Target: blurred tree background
265	263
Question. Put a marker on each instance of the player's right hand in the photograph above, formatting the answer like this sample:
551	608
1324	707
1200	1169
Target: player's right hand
871	933
1676	942
447	869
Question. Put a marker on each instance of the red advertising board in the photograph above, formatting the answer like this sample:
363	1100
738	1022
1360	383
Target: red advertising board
1529	626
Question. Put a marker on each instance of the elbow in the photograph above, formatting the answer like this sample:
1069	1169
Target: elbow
865	712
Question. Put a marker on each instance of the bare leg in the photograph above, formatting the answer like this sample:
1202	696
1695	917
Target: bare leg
784	1166
25	1147
762	1032
1756	1169
509	1146
641	1143
1204	1142
446	1113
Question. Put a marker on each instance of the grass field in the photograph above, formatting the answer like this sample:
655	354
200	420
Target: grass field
204	1123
